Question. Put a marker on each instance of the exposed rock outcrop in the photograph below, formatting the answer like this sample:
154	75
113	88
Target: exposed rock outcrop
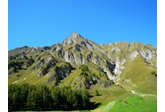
119	66
79	50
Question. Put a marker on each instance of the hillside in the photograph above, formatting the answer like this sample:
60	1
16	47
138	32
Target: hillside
116	70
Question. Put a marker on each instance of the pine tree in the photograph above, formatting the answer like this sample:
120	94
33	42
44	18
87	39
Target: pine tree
97	93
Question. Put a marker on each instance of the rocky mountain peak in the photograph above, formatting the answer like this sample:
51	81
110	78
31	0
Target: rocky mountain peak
75	35
72	39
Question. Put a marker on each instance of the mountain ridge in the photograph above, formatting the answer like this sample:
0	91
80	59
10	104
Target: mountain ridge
105	65
78	35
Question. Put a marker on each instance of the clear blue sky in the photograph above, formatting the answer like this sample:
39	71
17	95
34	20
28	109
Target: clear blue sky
46	22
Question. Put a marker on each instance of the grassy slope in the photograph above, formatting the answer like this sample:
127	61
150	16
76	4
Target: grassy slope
137	75
106	94
109	94
137	71
135	104
108	107
73	80
129	104
27	76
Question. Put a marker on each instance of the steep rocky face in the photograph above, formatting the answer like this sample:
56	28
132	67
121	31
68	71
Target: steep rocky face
121	52
77	50
72	39
59	73
119	65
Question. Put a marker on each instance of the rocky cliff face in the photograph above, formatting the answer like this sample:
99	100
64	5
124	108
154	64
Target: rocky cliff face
77	50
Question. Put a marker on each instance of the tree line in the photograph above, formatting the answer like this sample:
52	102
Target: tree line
42	97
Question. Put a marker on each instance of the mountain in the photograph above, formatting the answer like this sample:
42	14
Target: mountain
116	69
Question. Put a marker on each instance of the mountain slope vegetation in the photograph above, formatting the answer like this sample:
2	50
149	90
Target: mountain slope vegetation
109	72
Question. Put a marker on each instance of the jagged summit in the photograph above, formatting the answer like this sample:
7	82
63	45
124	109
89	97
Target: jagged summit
75	35
73	38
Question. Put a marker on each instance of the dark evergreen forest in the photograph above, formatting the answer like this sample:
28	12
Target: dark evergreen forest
41	97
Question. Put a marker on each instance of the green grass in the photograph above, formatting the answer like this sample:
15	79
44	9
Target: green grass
137	75
135	104
108	107
129	104
54	111
109	94
30	75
